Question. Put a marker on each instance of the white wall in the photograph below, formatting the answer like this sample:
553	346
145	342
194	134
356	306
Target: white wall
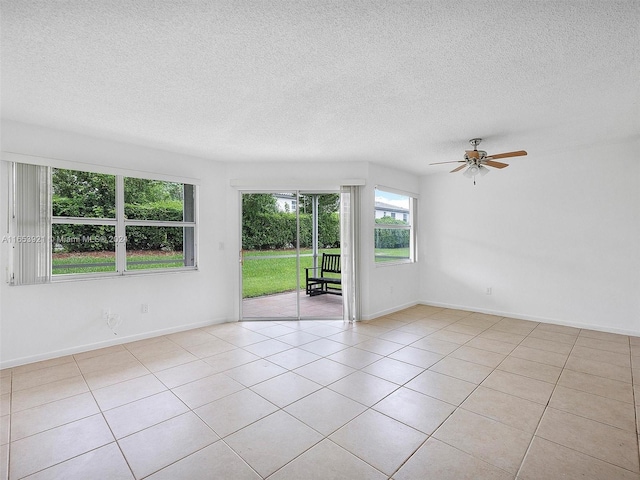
376	281
278	177
389	287
556	236
43	321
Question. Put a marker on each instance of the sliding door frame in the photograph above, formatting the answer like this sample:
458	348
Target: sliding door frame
298	193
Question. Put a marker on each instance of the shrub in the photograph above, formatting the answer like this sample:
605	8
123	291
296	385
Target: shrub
274	231
391	238
138	238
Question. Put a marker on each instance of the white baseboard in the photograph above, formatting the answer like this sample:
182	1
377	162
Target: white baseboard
381	313
108	343
534	318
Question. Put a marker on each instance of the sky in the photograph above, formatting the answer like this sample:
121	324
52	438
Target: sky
392	199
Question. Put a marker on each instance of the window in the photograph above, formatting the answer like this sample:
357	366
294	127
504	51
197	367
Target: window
101	224
83	230
159	222
394	239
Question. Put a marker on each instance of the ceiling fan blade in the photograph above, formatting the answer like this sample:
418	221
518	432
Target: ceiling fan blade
455	161
519	153
458	168
495	164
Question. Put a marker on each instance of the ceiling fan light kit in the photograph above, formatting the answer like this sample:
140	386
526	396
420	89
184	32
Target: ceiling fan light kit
477	161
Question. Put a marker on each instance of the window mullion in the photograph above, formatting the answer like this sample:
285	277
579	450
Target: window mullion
82	221
157	223
120	240
385	226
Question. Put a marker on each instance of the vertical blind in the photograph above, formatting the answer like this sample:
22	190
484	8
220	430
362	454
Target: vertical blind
349	244
31	224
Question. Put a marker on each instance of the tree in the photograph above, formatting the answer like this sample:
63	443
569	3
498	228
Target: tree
88	194
327	204
143	191
266	228
256	203
83	194
92	195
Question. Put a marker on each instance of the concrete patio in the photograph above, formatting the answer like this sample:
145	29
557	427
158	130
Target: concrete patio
283	305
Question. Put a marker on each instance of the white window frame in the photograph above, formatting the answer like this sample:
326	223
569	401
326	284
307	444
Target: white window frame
120	222
411	227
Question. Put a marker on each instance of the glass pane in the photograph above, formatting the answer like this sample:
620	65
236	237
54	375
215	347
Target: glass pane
157	247
320	297
269	239
83	249
391	244
157	200
392	208
83	194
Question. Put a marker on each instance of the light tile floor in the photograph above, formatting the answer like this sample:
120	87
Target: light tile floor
422	393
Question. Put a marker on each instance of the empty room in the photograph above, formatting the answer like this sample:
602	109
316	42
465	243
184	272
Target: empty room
319	239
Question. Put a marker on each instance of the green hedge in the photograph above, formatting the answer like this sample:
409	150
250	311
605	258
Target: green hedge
94	238
274	231
391	238
71	207
261	231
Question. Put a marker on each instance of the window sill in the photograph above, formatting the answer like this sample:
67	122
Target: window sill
394	263
74	277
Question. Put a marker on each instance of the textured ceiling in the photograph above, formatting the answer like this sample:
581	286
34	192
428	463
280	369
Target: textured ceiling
400	83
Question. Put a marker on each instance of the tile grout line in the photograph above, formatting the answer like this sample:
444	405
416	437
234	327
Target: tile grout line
546	407
245	387
102	412
360	369
456	407
67	423
633	393
106	422
189	410
604	423
282	409
326	437
459	407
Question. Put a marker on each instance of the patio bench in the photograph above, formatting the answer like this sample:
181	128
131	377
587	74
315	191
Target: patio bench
325	284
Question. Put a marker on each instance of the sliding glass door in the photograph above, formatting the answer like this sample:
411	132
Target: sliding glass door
284	238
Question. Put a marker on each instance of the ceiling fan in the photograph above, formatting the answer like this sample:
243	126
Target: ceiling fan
475	160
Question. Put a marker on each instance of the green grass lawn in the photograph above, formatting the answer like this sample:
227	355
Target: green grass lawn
262	275
85	262
177	260
391	254
262	272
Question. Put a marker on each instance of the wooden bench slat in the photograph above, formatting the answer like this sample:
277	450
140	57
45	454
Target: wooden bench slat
319	285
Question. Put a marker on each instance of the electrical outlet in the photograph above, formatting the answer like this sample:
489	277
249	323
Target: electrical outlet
145	308
488	291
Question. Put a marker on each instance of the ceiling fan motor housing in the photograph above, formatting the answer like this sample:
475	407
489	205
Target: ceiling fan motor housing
475	157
